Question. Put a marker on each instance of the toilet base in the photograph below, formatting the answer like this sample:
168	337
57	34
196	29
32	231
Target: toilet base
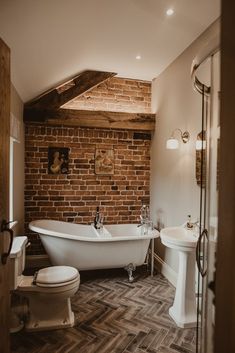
32	326
45	314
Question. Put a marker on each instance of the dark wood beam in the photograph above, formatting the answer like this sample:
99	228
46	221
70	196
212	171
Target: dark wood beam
87	118
81	83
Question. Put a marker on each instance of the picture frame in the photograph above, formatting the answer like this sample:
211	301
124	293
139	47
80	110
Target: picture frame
58	158
104	161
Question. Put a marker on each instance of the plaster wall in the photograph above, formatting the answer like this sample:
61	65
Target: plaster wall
18	164
174	191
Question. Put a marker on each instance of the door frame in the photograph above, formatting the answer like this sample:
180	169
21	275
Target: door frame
225	262
4	194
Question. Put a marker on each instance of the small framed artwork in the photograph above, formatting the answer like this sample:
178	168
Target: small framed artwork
58	158
104	161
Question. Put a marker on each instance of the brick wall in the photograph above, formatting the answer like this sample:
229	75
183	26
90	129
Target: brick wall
116	94
73	197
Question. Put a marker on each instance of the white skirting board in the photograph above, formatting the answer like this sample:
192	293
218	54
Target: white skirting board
166	270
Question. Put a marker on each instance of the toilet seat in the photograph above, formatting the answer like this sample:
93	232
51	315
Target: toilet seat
55	279
56	276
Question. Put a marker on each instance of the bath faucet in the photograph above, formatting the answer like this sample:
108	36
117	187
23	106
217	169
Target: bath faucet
142	221
145	220
98	221
144	216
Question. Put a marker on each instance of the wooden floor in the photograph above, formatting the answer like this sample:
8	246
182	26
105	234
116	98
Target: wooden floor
113	315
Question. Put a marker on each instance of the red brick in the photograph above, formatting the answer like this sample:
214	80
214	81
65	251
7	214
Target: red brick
74	197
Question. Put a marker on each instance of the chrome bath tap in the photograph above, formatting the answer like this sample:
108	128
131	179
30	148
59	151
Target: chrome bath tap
145	221
98	220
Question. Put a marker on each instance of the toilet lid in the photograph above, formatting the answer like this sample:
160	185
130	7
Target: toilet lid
56	275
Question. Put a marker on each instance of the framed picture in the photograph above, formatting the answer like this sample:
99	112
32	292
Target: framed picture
58	158
104	161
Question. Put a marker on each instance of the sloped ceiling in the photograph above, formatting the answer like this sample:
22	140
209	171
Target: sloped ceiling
51	40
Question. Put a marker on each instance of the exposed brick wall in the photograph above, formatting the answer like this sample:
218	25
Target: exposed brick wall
116	94
73	197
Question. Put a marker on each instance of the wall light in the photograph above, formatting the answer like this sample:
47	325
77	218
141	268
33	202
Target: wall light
201	141
172	143
170	12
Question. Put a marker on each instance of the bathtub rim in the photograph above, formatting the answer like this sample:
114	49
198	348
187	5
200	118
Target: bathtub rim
98	238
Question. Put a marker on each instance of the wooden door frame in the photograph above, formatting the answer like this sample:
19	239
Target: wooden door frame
225	266
4	194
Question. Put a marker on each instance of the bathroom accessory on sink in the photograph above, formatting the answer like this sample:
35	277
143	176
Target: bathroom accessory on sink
184	241
48	292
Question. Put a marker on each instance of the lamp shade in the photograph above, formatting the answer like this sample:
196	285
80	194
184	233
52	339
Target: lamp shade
200	145
172	144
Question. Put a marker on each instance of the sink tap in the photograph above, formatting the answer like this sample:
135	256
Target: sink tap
190	224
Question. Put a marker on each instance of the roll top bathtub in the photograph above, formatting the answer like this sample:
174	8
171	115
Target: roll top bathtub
86	248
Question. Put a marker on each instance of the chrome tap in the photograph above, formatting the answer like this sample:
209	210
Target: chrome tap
145	221
97	219
190	224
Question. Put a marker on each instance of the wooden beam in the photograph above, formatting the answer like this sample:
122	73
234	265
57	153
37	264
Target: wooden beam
86	118
83	82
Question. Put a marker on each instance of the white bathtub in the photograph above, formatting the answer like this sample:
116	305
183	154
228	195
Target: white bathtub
86	248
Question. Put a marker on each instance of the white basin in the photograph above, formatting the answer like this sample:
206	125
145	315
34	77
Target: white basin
179	238
184	241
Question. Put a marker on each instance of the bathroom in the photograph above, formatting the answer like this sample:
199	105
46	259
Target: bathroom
112	313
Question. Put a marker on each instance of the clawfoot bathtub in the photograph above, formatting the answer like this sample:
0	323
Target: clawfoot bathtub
86	248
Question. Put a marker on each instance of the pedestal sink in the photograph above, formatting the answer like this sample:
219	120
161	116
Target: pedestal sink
183	240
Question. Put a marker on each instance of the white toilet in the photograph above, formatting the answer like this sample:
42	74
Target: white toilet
48	291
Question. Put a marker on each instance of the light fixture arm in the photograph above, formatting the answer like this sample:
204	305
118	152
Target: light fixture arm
184	135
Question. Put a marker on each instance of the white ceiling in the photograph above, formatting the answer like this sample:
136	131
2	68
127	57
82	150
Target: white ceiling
52	40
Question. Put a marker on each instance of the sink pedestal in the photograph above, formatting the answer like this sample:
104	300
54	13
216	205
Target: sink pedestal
183	240
184	311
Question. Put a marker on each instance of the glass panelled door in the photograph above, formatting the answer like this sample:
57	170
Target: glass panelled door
209	185
212	208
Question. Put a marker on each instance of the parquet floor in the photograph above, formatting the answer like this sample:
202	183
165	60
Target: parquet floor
114	316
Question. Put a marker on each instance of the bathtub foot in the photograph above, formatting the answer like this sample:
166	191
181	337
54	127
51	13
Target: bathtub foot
130	268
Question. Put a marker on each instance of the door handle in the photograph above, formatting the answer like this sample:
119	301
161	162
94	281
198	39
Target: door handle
201	269
4	228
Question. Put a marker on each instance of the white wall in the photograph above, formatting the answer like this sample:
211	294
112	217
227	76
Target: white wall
174	191
18	164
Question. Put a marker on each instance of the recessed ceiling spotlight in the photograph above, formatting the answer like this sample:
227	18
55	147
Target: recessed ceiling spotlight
170	12
138	57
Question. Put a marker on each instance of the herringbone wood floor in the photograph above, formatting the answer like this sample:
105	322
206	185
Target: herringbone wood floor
114	316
